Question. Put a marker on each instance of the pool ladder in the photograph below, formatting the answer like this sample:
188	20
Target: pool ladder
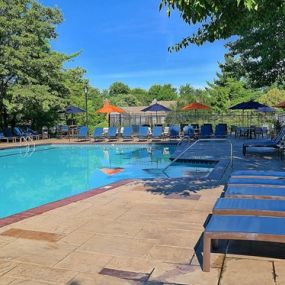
30	146
196	142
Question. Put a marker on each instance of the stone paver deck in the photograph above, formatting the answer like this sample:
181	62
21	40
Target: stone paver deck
135	234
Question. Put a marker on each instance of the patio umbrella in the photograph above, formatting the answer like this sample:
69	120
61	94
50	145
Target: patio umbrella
195	106
108	109
249	105
266	110
156	108
73	110
281	105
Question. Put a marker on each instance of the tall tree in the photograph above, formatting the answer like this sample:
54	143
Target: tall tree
162	92
273	96
119	88
189	94
30	71
258	24
76	84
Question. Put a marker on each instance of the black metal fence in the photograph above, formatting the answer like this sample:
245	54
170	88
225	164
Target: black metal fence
245	119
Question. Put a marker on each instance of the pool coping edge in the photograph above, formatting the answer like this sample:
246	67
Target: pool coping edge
62	202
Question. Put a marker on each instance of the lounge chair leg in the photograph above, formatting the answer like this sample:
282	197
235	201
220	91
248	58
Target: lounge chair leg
206	253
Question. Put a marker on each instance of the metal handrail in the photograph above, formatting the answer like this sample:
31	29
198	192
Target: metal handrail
28	140
177	157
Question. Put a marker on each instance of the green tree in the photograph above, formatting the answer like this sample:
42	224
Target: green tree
189	94
76	84
258	24
30	71
125	100
33	103
162	92
119	88
273	96
141	95
260	53
231	92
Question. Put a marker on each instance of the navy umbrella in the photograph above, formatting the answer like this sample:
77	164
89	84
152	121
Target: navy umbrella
156	108
250	105
266	110
74	110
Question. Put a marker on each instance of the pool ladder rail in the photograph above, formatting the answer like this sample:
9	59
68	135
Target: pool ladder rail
196	142
29	146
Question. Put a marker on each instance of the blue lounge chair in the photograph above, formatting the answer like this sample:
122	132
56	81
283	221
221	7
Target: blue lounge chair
4	138
9	134
258	174
251	228
112	133
98	134
195	126
210	127
221	130
19	133
206	131
255	192
157	132
265	143
174	132
257	181
189	132
143	133
32	133
257	207
83	133
127	133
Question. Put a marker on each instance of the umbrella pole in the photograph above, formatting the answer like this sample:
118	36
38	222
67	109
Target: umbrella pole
156	119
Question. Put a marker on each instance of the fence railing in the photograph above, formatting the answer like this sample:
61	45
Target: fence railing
233	118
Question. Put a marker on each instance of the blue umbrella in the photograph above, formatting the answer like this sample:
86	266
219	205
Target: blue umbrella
250	105
156	108
266	110
73	110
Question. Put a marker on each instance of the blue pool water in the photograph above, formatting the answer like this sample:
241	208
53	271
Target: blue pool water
55	172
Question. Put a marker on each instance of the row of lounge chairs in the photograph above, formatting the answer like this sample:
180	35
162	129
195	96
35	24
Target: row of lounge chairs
156	132
253	209
127	133
18	134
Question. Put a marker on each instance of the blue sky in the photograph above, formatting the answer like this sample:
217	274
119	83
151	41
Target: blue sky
127	41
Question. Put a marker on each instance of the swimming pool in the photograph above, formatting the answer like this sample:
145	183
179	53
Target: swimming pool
53	172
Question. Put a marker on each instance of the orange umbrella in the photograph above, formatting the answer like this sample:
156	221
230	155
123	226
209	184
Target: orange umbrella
196	106
112	171
108	108
281	105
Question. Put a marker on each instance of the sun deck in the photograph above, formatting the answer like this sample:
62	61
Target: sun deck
142	232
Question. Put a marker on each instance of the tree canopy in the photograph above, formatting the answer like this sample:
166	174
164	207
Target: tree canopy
258	27
30	71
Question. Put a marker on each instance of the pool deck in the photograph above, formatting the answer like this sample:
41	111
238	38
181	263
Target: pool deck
142	232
